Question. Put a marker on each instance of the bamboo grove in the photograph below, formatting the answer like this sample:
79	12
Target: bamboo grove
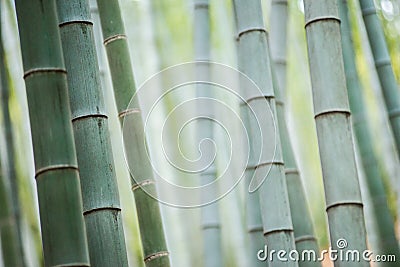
211	133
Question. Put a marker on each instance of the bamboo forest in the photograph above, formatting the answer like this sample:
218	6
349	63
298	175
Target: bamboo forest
199	133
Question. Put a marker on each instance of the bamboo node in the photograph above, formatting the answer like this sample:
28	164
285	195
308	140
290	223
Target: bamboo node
259	97
291	171
273	162
368	11
75	264
382	62
201	5
344	203
277	230
127	112
92	210
251	29
304	238
156	256
211	226
64	23
394	113
114	38
321	18
43	70
279	2
254	229
96	115
55	168
332	111
143	183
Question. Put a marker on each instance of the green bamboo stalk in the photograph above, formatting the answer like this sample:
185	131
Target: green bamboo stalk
383	66
254	61
332	117
211	225
11	175
101	204
57	178
149	216
301	217
387	243
8	232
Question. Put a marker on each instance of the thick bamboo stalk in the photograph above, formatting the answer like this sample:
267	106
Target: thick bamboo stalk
209	214
387	243
60	202
10	175
332	117
254	62
149	216
301	217
101	204
383	66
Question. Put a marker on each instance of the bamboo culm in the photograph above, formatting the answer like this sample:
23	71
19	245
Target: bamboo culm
301	217
211	227
101	205
383	66
332	117
254	61
12	238
56	171
150	221
385	226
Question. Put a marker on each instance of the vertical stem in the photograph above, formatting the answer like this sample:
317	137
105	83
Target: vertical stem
210	215
383	66
254	61
101	205
60	203
384	222
301	217
332	118
11	175
148	209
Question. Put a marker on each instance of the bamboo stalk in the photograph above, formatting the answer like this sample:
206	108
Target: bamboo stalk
383	66
101	204
301	217
332	117
8	232
211	226
387	243
254	61
10	175
60	203
149	216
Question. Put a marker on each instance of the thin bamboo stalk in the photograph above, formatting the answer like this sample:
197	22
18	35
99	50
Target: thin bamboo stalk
149	216
57	178
383	66
10	175
101	204
332	118
8	232
301	217
254	61
387	243
211	225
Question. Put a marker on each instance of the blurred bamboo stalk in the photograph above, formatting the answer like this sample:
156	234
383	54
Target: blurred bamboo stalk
254	61
387	243
101	204
332	118
57	178
301	217
383	66
211	226
148	209
11	205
